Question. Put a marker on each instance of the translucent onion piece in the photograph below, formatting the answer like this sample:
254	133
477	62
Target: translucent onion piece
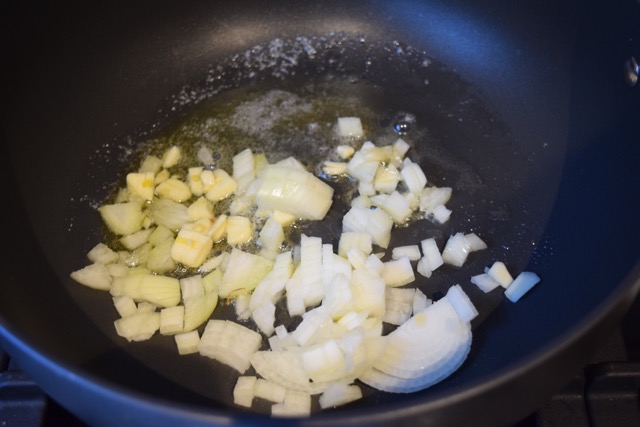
422	351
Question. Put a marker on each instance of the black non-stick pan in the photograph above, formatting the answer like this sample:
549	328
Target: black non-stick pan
526	109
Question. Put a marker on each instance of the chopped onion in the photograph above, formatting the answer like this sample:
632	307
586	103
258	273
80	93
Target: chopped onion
172	320
243	392
413	176
296	404
139	326
293	191
187	342
229	343
484	282
412	252
456	250
498	272
269	391
350	126
422	351
162	291
338	394
398	272
243	273
461	303
94	275
101	253
521	285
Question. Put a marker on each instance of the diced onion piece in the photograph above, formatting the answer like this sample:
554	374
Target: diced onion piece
159	235
363	169
338	394
456	250
484	282
146	307
410	251
413	176
168	213
461	303
94	275
354	239
103	254
284	218
191	286
356	257
350	127
293	191
139	326
285	368
125	306
398	272
135	240
244	169
211	282
296	404
243	392
269	391
386	179
171	157
420	301
241	303
475	243
397	206
441	214
398	305
311	269
368	292
324	362
430	197
398	151
312	322
243	273
141	184
521	285
122	218
337	295
160	260
172	320
376	223
242	204
264	317
229	343
498	272
431	260
117	270
291	163
272	235
187	342
272	285
162	291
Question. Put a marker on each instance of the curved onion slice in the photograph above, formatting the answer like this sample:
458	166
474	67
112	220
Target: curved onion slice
422	351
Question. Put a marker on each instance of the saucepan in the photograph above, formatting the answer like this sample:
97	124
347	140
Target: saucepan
528	111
